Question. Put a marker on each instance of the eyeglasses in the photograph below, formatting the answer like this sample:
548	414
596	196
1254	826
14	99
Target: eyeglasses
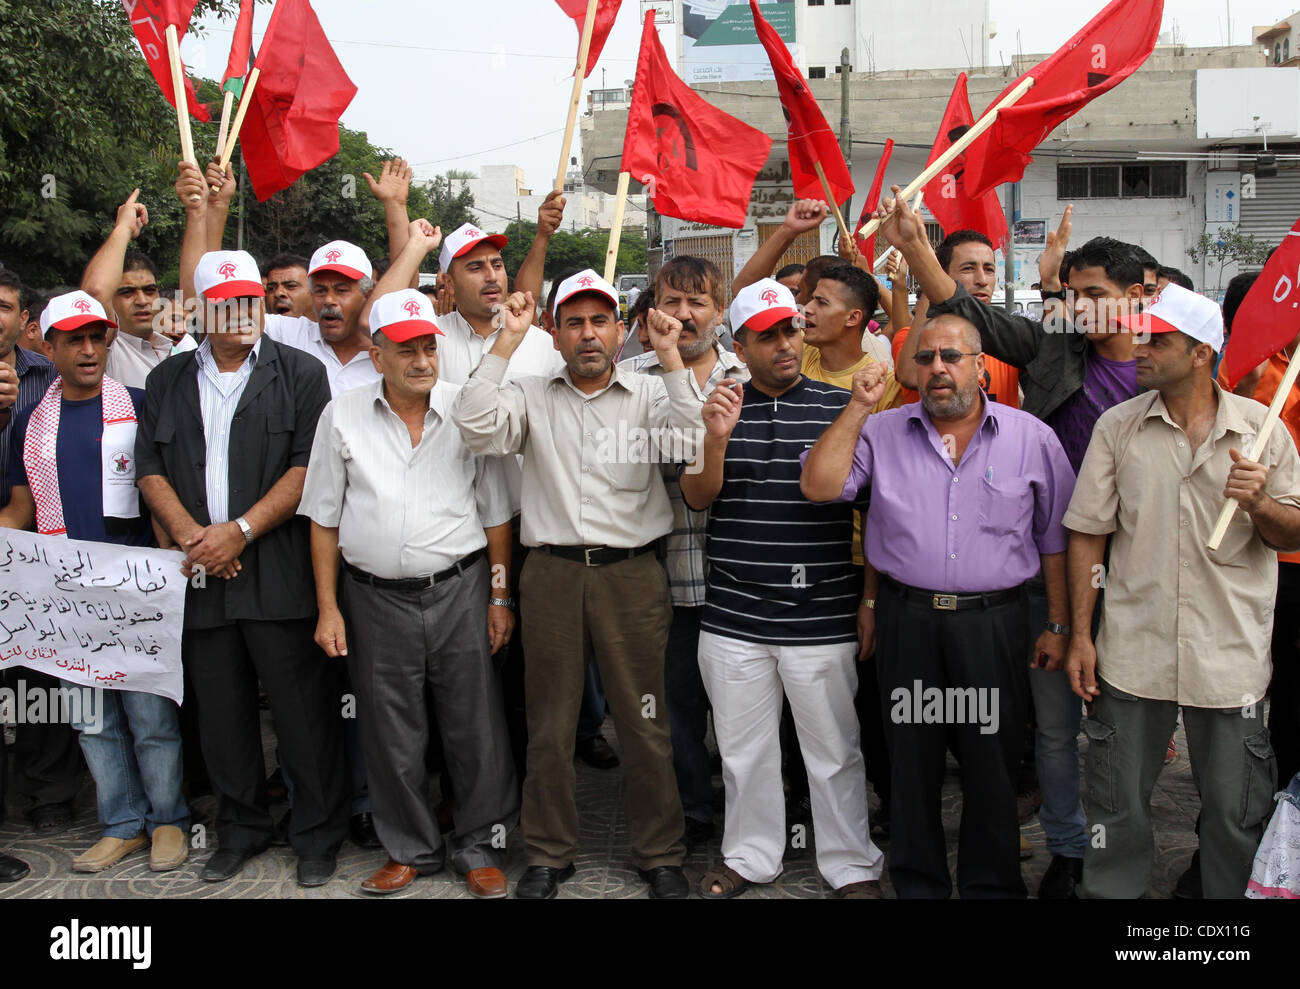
924	358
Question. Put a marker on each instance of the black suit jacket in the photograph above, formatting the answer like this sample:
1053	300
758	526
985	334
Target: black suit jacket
272	430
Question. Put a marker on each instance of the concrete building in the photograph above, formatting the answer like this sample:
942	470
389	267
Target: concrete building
1163	158
501	194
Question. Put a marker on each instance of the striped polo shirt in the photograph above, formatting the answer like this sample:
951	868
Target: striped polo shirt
780	567
34	376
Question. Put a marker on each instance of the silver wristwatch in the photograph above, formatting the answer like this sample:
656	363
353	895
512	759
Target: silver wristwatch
245	528
502	602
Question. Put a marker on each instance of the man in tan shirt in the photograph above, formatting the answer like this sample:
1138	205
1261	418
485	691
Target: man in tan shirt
1182	625
594	509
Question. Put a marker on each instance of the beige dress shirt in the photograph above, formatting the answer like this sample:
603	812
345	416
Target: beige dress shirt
401	511
304	334
591	472
130	359
1181	622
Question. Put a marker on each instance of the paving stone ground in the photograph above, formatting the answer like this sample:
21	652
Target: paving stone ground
604	869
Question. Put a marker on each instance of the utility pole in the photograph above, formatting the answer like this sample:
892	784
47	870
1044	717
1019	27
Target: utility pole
1009	250
846	137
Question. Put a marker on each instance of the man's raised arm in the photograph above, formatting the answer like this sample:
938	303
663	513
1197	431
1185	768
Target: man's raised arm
804	215
491	416
421	238
104	272
392	189
531	273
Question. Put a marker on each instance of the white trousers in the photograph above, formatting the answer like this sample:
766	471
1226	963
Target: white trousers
745	682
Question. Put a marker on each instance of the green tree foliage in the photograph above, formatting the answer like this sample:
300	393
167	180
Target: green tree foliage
568	251
1229	246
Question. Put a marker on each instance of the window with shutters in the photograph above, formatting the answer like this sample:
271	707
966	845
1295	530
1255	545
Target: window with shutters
1122	180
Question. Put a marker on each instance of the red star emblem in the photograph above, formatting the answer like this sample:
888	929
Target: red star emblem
333	256
412	308
227	270
770	296
81	305
121	462
586	281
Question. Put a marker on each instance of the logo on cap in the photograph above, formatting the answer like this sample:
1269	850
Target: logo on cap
770	297
121	462
586	281
412	306
227	270
471	232
81	305
333	256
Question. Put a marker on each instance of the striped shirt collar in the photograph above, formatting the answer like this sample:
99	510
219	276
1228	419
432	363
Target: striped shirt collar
203	354
26	360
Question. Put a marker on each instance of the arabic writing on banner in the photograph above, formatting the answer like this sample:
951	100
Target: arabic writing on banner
92	613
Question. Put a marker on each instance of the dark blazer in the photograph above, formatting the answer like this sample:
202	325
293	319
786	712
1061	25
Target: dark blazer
272	430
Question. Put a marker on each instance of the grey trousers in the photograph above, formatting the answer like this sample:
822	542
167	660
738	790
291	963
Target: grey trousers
1234	768
407	650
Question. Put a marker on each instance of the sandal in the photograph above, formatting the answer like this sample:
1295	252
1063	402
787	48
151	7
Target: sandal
732	883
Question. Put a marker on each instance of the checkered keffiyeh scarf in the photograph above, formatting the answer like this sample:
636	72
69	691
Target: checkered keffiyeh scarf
41	444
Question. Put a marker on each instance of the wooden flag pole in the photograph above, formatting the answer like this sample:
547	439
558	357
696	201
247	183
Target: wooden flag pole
227	102
830	199
584	47
957	147
249	85
1258	448
616	231
182	104
916	205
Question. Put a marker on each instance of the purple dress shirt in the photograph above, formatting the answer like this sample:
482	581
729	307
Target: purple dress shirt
979	525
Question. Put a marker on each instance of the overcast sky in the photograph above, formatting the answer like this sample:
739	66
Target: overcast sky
451	84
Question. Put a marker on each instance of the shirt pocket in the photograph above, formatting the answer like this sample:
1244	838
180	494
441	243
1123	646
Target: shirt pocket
1006	507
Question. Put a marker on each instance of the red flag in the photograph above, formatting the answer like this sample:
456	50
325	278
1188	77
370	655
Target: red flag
302	90
178	12
947	195
237	65
697	163
606	11
1105	52
1269	316
811	138
868	245
149	23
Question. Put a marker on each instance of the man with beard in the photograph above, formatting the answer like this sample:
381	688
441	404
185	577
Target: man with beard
780	611
690	291
594	513
967	497
287	293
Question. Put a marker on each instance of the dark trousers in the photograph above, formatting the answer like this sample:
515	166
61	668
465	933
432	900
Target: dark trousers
225	665
619	613
919	648
47	761
1284	690
688	715
510	660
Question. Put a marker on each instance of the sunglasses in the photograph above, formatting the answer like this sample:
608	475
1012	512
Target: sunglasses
924	358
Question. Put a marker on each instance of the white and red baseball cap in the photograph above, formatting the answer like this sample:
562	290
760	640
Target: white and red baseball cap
341	258
228	275
762	305
585	281
1177	309
72	311
403	316
465	238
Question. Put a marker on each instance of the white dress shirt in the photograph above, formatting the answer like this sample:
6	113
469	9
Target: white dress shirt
588	481
401	511
130	359
304	334
219	393
461	350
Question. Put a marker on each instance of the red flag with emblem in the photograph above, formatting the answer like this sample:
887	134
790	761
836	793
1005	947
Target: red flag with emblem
947	196
606	11
696	162
149	20
810	137
240	44
293	120
868	245
1269	316
1105	52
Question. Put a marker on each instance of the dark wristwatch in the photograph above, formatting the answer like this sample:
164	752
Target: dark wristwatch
1056	629
1058	294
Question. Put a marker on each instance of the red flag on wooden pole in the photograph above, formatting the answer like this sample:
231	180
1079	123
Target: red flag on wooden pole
867	245
606	11
947	195
149	23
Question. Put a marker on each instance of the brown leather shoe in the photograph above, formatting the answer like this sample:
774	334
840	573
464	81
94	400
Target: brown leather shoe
868	889
168	848
389	879
107	852
486	884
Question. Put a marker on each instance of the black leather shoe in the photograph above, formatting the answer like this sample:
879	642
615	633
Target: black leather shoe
697	834
539	882
316	870
1189	883
667	882
226	863
1061	878
12	869
52	819
362	829
596	752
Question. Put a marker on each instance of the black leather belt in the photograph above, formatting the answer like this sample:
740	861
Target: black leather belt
940	601
415	583
595	556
